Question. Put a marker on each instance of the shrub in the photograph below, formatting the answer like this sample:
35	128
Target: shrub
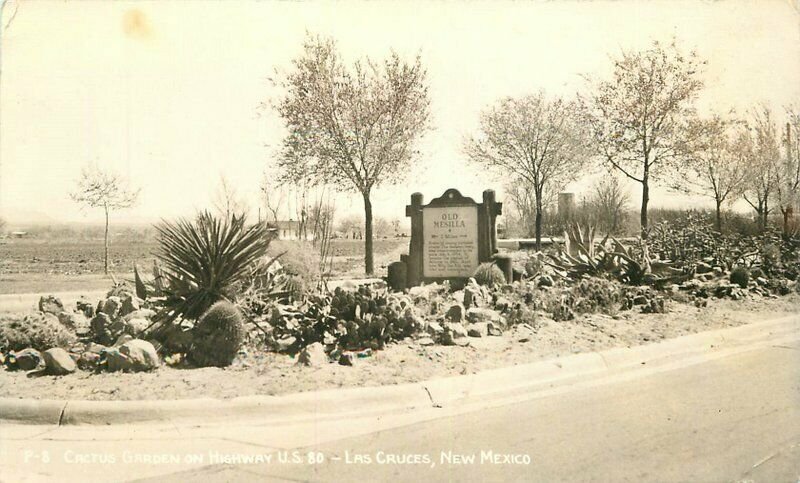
39	331
298	258
489	274
218	336
204	260
590	295
740	276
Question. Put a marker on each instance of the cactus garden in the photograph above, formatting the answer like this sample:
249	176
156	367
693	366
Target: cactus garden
214	313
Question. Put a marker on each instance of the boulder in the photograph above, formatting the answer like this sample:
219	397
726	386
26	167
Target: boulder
130	303
122	339
285	343
479	329
51	304
425	341
58	362
88	361
457	330
455	313
347	359
471	296
133	356
434	328
24	360
313	355
493	329
85	307
138	325
101	328
110	306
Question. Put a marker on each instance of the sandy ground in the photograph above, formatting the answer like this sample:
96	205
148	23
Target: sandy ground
407	361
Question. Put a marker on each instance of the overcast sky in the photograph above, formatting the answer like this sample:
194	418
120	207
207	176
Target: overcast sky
168	92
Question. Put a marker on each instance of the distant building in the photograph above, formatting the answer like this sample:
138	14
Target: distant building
19	234
291	230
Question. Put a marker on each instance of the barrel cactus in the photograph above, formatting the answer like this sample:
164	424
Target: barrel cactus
218	336
489	274
740	276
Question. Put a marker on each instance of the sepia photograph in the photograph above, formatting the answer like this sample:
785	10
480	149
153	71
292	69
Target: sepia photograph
442	240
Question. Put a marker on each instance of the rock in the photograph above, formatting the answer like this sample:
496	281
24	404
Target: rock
493	330
425	341
502	304
101	326
483	315
434	328
140	314
85	307
640	300
455	313
545	281
133	356
57	362
141	353
346	359
130	303
88	361
285	343
458	330
50	304
479	329
471	295
313	355
138	325
122	339
71	320
111	307
25	360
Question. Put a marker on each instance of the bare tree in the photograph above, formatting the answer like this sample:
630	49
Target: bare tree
788	183
762	155
532	139
609	201
351	127
103	189
717	165
524	204
274	195
227	201
638	117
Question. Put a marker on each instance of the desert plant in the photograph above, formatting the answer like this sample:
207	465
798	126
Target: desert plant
489	274
218	335
205	260
39	330
740	276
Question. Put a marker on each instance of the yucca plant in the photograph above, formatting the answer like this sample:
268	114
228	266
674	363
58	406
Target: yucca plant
204	260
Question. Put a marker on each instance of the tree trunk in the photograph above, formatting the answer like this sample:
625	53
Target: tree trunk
786	220
765	214
538	222
645	200
368	255
719	215
105	258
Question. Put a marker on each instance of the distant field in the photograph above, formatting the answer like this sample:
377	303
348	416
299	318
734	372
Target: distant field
33	266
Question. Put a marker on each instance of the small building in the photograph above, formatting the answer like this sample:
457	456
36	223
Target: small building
19	234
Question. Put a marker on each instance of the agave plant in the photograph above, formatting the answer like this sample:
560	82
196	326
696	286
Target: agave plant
204	260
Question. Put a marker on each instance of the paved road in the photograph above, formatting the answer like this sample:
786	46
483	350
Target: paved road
730	419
